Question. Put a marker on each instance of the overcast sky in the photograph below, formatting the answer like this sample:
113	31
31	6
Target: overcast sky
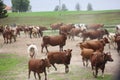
49	5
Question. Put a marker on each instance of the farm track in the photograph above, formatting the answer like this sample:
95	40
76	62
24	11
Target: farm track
20	48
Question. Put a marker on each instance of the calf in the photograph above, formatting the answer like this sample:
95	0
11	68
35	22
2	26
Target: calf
38	66
63	57
86	54
98	61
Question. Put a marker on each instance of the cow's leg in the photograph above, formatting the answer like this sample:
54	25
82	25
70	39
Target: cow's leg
46	48
96	70
66	68
118	51
103	73
35	75
86	62
29	74
92	68
45	75
39	76
42	46
83	61
54	67
61	48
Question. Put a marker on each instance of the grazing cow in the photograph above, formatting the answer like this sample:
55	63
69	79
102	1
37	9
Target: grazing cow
66	28
86	55
98	61
74	32
95	26
56	26
54	41
94	34
63	57
117	40
95	44
38	66
32	50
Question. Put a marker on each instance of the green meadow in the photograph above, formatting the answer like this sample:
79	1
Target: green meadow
107	17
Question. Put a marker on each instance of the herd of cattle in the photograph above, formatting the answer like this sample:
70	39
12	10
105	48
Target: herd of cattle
92	49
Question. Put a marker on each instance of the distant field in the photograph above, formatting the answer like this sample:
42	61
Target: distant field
108	17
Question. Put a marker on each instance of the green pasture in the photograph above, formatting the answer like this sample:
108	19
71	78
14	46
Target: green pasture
107	17
14	67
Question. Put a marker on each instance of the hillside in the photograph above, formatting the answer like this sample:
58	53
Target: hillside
108	17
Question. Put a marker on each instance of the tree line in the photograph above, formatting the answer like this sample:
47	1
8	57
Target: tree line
77	7
24	6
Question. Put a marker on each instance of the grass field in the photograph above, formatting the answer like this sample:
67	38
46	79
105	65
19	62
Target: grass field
107	17
12	65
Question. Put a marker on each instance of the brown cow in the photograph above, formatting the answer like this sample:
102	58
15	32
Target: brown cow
86	55
66	28
9	34
63	57
54	41
38	66
95	26
117	40
94	44
94	34
74	32
98	61
56	26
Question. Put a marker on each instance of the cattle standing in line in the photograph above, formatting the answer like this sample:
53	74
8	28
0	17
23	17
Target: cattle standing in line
98	61
94	44
38	66
54	41
63	57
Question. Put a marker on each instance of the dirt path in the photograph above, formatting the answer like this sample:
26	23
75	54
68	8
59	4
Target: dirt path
20	48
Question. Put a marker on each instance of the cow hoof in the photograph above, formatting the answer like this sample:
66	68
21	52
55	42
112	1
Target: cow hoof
67	70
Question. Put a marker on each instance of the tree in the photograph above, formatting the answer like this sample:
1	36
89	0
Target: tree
77	7
3	12
56	8
20	5
89	7
64	8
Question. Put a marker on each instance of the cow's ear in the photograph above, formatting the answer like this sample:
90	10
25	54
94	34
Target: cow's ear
70	50
65	50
